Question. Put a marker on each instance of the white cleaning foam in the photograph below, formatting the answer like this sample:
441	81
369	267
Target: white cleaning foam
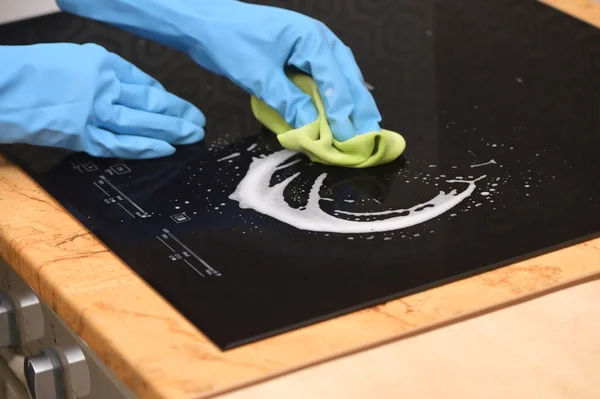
234	155
490	162
254	192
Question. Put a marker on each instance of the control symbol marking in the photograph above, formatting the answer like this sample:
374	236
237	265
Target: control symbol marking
180	218
121	169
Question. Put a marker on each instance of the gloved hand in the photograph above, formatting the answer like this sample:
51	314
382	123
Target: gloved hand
251	45
84	98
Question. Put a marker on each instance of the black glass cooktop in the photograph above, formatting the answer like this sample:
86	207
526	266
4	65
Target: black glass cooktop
507	92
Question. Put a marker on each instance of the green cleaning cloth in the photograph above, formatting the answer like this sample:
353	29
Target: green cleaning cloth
316	139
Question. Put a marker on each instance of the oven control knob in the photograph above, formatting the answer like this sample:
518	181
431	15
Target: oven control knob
57	373
29	315
44	376
9	334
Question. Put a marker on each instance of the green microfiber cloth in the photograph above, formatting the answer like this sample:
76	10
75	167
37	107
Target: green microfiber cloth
316	139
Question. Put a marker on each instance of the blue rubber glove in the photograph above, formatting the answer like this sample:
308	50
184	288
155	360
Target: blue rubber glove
83	98
251	45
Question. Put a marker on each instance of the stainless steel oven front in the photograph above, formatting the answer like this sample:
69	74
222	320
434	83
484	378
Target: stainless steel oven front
40	356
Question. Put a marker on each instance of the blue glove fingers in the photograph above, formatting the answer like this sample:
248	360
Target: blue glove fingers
128	73
102	143
293	104
365	115
314	56
133	122
150	99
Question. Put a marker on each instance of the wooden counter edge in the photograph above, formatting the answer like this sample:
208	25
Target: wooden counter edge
584	10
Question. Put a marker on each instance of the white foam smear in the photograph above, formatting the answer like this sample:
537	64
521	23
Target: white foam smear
254	192
235	154
483	164
253	146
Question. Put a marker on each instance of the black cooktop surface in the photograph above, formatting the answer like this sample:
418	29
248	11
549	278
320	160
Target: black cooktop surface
507	92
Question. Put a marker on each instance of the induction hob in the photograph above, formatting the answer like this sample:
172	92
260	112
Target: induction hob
504	92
